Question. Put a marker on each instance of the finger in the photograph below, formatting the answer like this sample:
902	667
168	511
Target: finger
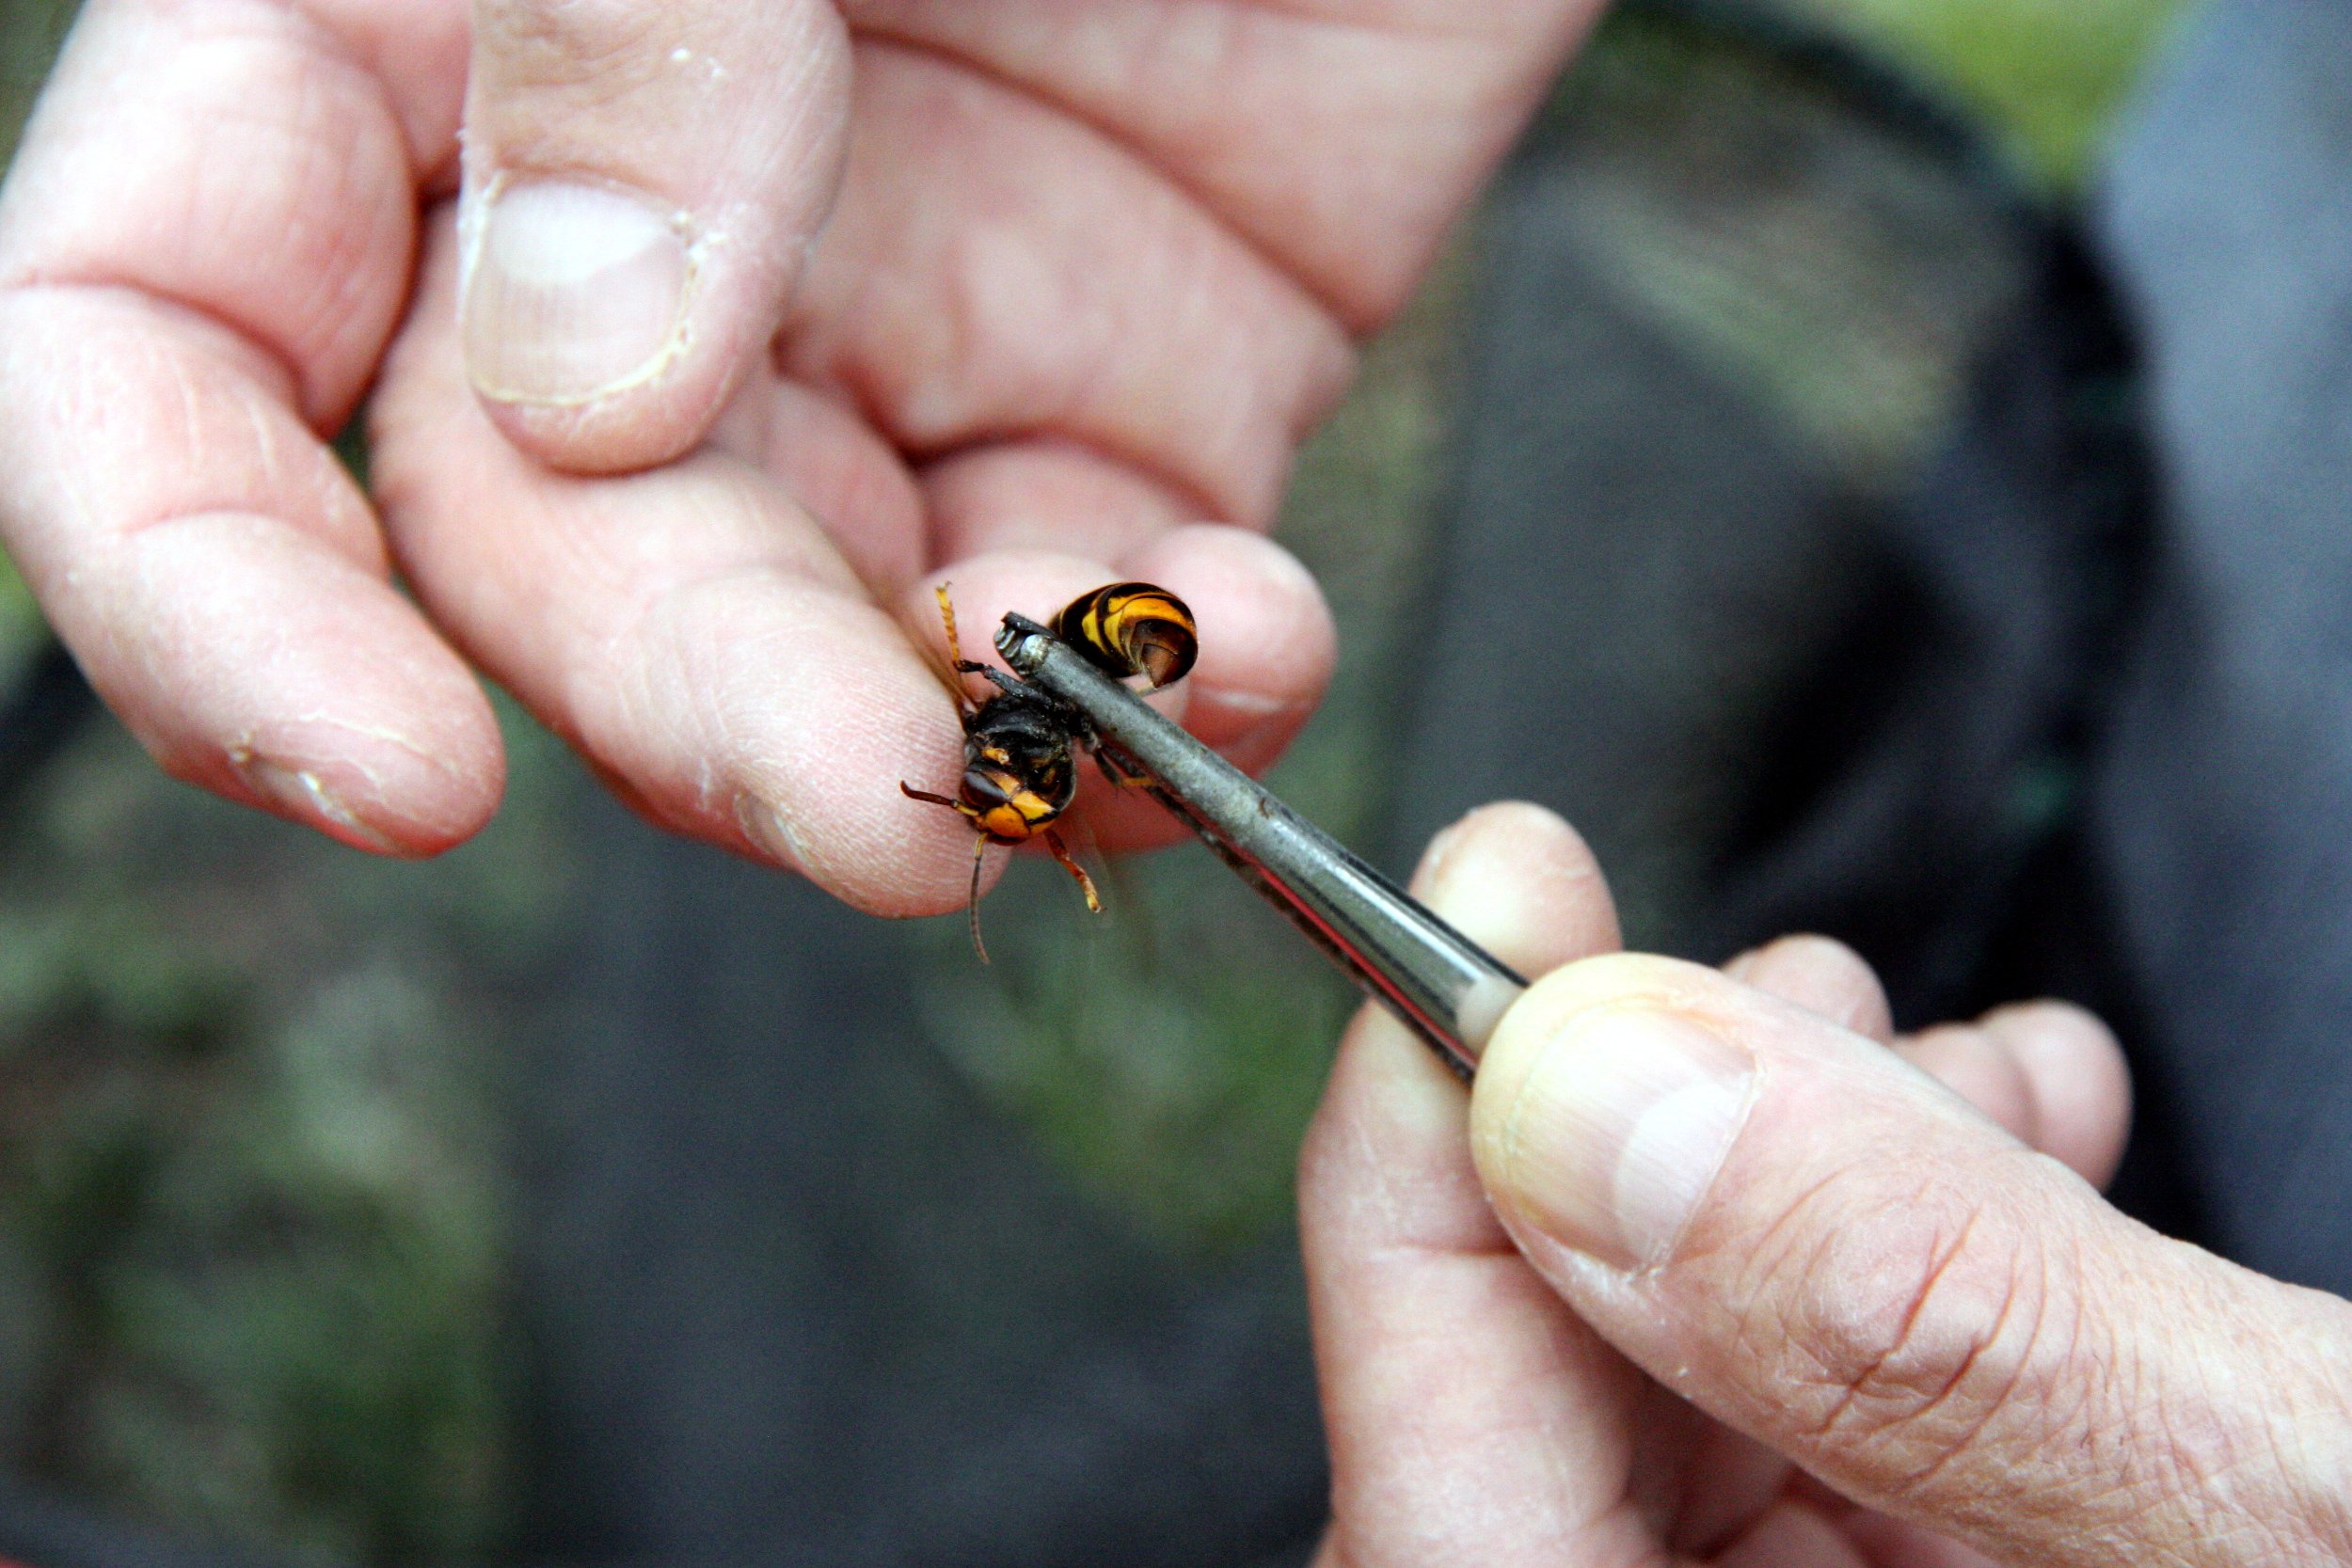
1816	1244
1967	1060
1467	1413
2078	1087
691	629
1791	1536
839	471
643	179
172	343
1425	95
2051	1075
239	161
1044	493
1822	976
996	270
1891	1544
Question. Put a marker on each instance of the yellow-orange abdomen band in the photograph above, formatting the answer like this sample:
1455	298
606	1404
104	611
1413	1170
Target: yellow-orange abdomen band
1133	628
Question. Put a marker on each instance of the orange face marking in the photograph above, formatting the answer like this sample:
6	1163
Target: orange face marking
1007	810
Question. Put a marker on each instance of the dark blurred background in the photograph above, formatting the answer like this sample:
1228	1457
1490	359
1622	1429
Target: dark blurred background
588	1197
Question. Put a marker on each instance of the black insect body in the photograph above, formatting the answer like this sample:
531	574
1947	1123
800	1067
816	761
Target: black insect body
1020	746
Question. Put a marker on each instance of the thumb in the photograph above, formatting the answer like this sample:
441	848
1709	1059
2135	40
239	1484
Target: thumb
642	179
1791	1229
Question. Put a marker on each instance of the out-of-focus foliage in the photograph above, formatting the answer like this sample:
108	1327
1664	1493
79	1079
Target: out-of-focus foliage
29	34
1808	305
30	31
2046	75
252	1198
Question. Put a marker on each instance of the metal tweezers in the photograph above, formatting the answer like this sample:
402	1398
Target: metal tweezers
1444	987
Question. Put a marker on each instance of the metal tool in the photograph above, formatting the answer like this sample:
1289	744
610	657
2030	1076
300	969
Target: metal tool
1446	988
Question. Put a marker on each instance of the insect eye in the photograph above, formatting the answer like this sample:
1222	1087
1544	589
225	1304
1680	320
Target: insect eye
985	787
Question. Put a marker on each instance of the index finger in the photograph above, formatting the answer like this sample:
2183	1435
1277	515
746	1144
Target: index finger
1467	1411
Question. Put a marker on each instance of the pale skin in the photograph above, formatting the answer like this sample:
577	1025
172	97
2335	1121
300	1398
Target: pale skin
1892	1326
1031	295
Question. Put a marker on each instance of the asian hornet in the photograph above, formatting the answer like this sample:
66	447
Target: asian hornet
1019	746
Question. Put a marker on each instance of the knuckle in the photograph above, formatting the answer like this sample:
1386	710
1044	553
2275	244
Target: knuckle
1929	1326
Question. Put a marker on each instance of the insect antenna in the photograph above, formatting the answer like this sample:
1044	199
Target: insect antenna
950	673
979	861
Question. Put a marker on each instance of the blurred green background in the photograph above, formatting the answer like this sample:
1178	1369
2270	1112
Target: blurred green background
252	1182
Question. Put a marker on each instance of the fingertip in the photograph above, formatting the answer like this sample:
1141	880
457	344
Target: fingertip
819	746
1268	643
1966	1059
1601	981
1521	882
592	359
1823	976
641	186
628	432
2078	1080
1551	1006
576	306
409	771
401	799
294	681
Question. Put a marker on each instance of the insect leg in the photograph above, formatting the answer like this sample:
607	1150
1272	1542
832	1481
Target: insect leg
1085	883
996	677
957	663
1118	767
948	618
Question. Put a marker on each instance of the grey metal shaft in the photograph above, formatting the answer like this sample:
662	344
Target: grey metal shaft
1445	987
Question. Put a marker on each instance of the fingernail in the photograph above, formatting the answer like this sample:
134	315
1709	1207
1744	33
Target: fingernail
1481	889
1619	1129
304	795
1433	879
574	293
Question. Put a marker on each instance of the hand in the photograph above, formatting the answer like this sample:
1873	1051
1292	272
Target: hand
1756	1289
1048	299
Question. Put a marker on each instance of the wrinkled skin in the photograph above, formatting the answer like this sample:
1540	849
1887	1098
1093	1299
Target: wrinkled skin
1895	1327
